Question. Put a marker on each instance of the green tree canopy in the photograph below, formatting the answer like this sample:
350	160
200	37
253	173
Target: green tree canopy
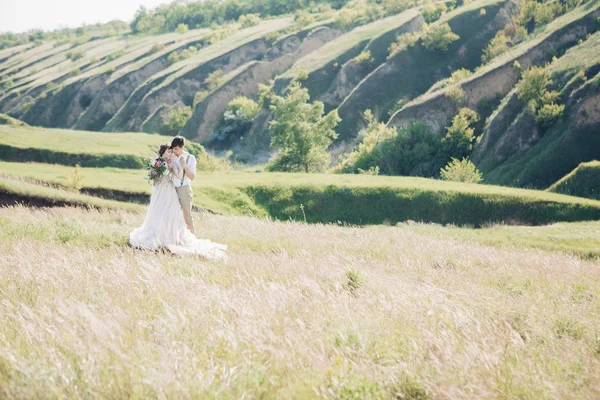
300	132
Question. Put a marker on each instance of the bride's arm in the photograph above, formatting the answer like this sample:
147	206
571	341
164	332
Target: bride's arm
176	170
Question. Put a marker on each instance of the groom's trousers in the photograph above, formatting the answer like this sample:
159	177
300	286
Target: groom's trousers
185	195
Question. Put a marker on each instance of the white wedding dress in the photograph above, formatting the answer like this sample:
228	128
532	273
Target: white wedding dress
164	227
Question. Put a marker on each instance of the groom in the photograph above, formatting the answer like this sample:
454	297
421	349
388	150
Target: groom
182	186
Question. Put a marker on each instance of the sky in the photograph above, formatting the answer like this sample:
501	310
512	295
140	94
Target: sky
22	15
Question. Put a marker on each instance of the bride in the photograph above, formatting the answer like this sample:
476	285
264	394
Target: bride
164	226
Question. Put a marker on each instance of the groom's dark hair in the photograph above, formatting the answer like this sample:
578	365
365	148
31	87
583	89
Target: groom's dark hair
178	141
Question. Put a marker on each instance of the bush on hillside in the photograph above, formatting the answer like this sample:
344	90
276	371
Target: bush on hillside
181	29
157	47
358	12
511	35
533	86
432	13
440	38
403	41
199	97
461	171
249	20
366	156
456	94
301	132
364	58
549	113
460	135
242	108
214	79
408	151
173	58
177	118
75	55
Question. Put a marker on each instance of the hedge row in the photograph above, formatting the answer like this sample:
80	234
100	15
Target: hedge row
369	205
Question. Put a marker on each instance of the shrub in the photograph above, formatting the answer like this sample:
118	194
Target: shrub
300	132
366	156
357	12
27	106
75	72
115	55
8	84
432	13
157	47
549	113
403	41
181	29
440	38
397	106
458	141
271	38
364	58
301	75
75	180
264	94
75	55
456	94
461	171
214	79
177	118
172	58
459	75
533	86
304	18
199	97
498	45
249	20
242	108
504	40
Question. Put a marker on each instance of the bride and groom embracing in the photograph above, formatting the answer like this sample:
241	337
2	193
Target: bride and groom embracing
168	222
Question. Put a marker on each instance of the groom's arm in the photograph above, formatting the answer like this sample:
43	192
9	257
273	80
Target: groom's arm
190	170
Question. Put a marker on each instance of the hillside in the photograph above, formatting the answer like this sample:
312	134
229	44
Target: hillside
513	149
406	64
583	181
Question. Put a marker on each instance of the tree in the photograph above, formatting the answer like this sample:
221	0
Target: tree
300	132
533	86
176	119
440	38
459	139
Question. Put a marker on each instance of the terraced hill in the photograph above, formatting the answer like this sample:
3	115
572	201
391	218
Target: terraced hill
382	61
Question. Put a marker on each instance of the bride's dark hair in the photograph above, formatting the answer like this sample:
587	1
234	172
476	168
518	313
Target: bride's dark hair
163	147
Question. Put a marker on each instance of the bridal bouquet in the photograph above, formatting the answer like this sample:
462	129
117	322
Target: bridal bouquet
157	168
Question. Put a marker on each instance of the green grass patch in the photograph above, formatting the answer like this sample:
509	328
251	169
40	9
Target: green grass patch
88	149
13	190
351	199
583	181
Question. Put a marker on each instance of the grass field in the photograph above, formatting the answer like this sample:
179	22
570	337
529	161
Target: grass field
354	199
93	149
298	311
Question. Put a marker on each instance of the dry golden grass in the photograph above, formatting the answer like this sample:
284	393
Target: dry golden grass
298	311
